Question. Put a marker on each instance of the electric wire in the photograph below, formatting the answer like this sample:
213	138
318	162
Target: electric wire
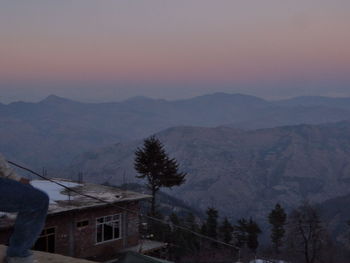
125	209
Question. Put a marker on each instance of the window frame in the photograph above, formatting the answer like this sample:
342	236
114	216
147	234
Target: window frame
45	235
119	221
80	222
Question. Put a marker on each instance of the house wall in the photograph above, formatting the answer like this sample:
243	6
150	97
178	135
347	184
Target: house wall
81	242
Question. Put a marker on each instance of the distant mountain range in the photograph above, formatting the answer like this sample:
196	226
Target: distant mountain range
51	132
242	173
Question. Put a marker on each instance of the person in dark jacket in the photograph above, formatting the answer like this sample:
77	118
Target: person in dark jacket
30	204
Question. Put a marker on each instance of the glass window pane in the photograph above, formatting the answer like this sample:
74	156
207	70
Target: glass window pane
107	232
108	228
50	230
99	233
116	231
82	223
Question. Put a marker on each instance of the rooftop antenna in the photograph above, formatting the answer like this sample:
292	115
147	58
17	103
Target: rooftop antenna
44	172
124	186
69	199
124	183
80	177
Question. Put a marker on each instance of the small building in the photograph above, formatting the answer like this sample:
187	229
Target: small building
81	227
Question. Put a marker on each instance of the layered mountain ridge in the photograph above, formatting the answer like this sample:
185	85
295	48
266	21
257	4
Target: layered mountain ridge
51	132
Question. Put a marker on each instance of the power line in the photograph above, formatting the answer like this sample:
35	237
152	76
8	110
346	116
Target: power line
123	208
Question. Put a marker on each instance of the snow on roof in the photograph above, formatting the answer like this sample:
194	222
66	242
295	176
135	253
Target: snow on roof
53	190
62	200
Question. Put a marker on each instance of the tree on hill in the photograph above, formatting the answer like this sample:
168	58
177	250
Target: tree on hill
306	234
277	219
210	226
212	222
192	241
240	232
226	230
253	230
153	164
178	242
246	233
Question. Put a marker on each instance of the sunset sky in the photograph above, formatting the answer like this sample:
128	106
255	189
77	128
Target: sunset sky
111	50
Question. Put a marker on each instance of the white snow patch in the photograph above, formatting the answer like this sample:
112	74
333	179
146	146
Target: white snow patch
53	190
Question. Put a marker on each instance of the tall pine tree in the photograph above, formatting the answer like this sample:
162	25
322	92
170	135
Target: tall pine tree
240	232
226	231
212	222
253	230
210	227
154	164
246	233
191	241
277	219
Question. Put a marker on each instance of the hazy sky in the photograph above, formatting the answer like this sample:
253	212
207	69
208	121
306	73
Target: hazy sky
110	50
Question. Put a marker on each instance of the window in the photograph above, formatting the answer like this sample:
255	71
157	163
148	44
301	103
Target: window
108	228
46	241
82	223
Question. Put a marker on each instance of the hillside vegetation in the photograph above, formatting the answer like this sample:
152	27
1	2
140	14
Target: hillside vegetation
242	173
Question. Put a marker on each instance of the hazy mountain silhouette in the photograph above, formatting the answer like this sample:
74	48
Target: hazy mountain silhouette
49	133
343	103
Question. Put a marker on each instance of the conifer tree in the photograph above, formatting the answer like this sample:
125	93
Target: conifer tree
178	241
212	222
253	230
192	241
174	219
277	219
203	229
154	164
246	233
226	230
240	232
190	222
